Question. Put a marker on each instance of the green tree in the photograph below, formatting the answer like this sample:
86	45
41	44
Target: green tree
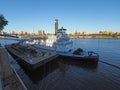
3	22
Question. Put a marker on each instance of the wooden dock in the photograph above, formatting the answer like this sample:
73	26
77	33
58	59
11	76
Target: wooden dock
29	56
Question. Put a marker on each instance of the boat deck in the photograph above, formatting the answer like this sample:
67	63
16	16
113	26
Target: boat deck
31	55
83	54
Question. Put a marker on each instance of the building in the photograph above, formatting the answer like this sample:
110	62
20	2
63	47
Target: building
56	26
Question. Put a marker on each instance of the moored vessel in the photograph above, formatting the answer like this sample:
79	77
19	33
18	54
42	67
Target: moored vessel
63	46
29	56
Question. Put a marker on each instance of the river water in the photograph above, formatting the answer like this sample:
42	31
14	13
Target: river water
108	49
64	74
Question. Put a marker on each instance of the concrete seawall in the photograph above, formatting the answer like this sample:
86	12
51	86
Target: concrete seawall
8	78
5	64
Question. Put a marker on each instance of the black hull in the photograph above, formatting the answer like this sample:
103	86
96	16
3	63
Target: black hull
84	59
82	64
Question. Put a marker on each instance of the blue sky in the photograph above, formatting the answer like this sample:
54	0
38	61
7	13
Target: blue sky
74	15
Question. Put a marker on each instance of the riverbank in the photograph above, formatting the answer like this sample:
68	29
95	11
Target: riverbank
69	35
94	36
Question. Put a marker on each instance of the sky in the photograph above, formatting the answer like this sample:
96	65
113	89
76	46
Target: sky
89	16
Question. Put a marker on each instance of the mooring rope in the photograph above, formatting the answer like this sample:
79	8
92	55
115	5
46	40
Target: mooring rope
109	64
98	50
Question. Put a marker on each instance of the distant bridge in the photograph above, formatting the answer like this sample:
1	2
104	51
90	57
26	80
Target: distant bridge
8	35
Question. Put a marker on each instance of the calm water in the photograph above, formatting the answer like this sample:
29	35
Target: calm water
63	74
108	49
7	41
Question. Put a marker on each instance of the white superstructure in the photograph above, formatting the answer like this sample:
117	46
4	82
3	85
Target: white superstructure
63	43
59	42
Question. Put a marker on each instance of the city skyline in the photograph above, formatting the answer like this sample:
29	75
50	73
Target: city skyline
74	15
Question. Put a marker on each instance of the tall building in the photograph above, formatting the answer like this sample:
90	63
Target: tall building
56	26
41	32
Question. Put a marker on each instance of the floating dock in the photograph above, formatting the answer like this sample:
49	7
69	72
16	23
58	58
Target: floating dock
29	56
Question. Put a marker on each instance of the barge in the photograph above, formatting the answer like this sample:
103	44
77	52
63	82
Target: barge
29	56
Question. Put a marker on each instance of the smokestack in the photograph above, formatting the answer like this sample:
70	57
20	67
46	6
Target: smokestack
56	26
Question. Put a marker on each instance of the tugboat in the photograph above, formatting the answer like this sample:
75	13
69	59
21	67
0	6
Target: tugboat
63	46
